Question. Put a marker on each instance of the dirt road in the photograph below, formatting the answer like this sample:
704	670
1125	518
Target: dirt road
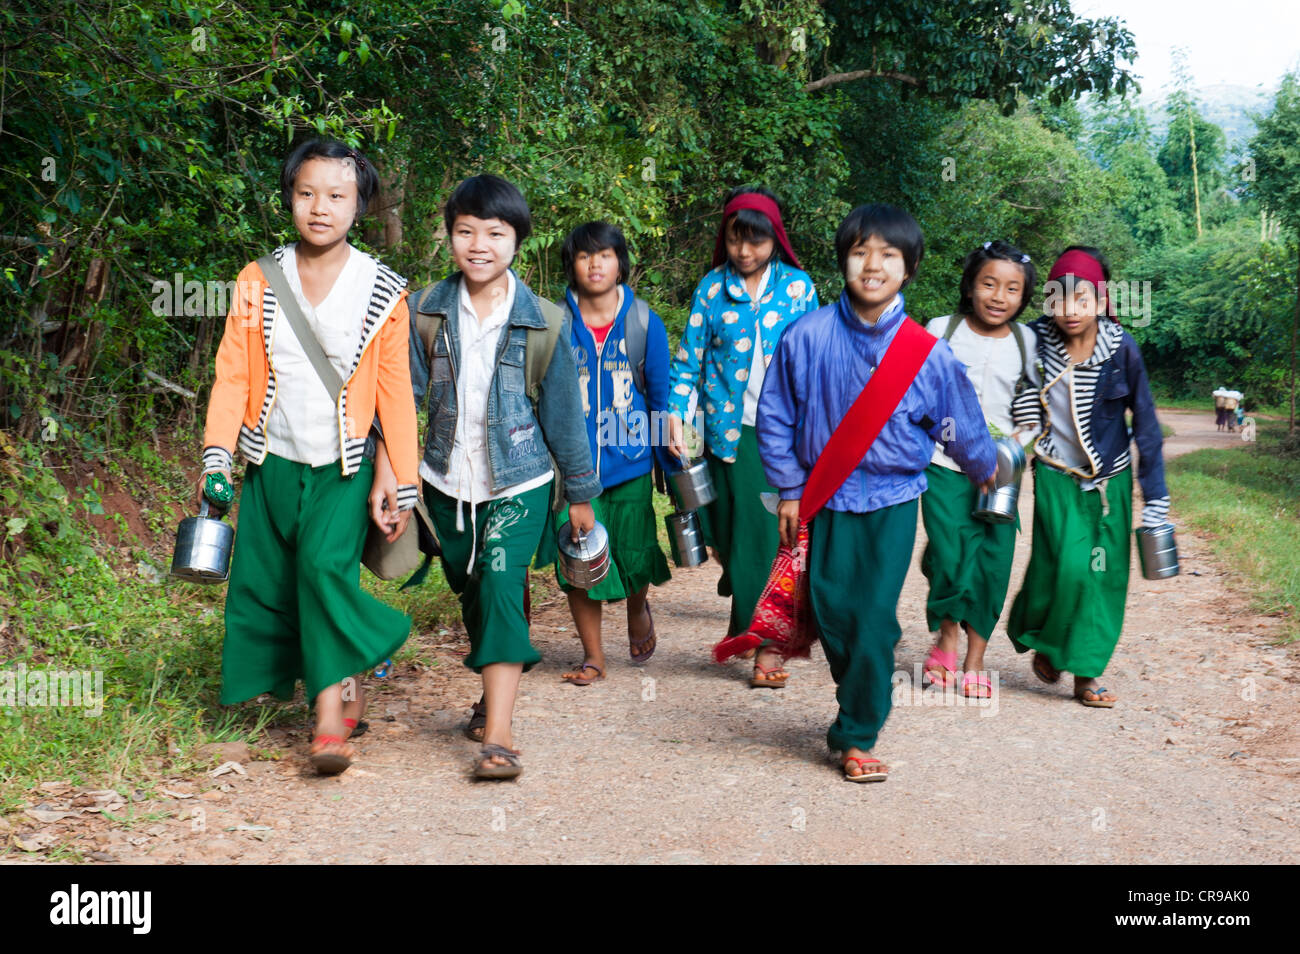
680	762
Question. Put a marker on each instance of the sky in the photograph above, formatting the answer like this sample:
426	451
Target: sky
1243	42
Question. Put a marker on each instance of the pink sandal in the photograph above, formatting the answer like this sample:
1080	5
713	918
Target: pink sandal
938	659
980	681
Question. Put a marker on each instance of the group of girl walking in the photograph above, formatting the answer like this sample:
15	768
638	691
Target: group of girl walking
822	428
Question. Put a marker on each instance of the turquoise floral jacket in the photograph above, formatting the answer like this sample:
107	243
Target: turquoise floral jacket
717	343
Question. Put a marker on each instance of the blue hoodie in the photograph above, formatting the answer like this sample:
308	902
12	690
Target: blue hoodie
820	367
622	429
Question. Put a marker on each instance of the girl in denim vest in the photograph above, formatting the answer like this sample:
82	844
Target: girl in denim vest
488	449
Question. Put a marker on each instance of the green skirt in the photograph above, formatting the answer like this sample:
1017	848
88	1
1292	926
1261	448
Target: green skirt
967	561
295	608
627	512
741	529
499	541
1070	607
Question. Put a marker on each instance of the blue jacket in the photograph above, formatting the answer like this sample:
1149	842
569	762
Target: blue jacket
718	340
514	453
1121	385
622	431
820	367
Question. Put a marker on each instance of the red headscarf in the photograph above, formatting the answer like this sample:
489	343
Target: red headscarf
758	203
1081	265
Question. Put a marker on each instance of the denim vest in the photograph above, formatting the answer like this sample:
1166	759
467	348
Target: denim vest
517	450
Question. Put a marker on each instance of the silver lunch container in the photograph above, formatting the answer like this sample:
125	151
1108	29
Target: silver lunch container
1000	506
586	562
203	548
1158	551
693	486
686	538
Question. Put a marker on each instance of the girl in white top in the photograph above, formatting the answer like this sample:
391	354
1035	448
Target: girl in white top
968	561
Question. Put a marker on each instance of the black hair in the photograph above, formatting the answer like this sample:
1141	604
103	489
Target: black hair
999	251
592	237
754	226
491	197
893	225
367	177
1095	252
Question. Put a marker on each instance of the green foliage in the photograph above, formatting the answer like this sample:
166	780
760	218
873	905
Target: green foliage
1245	501
1219	310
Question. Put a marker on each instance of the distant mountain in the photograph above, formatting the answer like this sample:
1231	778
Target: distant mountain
1226	105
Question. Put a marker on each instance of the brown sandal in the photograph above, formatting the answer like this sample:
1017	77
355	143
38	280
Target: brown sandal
767	680
330	763
576	677
638	651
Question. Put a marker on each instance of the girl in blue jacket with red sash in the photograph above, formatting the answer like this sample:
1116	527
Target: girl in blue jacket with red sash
625	400
861	541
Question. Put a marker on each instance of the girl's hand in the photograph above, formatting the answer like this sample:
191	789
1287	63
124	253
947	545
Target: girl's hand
383	498
581	519
787	515
676	437
198	494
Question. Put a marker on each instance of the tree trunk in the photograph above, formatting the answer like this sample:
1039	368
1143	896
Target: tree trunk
1295	327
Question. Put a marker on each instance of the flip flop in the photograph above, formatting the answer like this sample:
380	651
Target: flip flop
865	776
938	659
576	678
1047	673
650	640
980	681
485	769
356	727
1098	703
767	681
330	763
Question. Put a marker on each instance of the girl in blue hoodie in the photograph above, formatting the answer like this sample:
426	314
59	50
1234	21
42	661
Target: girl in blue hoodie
861	541
620	348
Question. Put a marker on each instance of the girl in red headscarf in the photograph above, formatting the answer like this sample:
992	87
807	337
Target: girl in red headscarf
755	289
1070	608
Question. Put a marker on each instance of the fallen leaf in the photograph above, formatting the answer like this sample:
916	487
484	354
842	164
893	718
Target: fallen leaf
35	840
168	791
45	816
227	767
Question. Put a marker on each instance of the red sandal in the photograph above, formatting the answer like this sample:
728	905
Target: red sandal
865	776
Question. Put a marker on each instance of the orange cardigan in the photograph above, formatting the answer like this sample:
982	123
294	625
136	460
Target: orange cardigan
379	382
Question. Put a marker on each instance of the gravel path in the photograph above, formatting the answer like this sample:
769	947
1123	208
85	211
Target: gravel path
680	762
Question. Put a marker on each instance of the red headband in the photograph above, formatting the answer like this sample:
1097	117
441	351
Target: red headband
758	203
1082	266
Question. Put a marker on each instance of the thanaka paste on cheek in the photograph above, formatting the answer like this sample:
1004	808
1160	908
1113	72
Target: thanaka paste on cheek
853	267
895	269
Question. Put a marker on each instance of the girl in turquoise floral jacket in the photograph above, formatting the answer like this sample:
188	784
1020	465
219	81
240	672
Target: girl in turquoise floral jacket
755	289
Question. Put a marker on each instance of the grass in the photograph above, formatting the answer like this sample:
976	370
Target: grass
1247	503
70	601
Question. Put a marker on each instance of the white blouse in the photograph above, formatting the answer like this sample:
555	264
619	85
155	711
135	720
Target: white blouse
993	366
303	424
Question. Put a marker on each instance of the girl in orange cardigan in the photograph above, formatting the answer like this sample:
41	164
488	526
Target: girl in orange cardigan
294	607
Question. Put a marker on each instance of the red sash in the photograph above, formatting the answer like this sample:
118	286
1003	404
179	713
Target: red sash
783	617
